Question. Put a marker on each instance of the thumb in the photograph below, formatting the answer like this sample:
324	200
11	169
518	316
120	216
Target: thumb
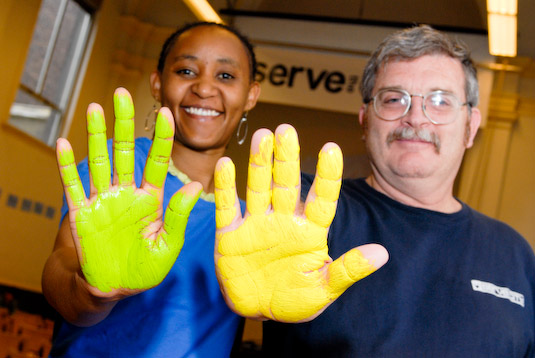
353	266
177	214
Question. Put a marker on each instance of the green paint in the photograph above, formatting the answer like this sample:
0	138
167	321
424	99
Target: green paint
99	163
116	250
122	102
69	177
123	144
158	160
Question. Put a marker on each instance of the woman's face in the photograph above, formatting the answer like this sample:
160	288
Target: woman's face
206	85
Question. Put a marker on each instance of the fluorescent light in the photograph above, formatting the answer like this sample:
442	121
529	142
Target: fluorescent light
502	35
504	7
502	25
203	11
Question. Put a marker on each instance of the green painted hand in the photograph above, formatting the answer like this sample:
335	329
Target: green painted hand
121	240
273	263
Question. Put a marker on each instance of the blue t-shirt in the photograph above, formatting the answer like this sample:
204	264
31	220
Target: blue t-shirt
456	285
184	316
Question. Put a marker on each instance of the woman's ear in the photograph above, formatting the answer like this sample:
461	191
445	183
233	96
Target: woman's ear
155	85
252	97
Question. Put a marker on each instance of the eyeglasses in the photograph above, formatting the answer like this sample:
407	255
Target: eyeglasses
439	107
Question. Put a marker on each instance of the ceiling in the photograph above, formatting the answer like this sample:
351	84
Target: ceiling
453	15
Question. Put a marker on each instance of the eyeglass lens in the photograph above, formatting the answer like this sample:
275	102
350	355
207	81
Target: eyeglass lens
439	107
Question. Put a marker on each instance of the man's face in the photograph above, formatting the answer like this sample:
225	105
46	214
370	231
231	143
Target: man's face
412	147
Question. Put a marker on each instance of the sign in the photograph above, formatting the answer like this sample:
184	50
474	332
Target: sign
303	78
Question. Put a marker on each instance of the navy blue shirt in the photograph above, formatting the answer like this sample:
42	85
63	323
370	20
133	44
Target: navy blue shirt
456	285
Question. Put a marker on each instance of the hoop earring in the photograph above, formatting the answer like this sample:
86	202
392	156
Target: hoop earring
243	121
150	118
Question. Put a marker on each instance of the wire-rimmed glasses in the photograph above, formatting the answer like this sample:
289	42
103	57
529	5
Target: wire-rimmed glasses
440	107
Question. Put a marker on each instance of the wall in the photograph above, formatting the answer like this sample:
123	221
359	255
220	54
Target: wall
498	172
28	168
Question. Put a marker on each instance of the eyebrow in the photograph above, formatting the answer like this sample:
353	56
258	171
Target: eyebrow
223	60
434	89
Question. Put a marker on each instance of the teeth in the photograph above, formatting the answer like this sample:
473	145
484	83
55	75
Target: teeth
201	111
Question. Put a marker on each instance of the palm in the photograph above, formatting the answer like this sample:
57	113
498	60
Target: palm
121	239
274	263
120	223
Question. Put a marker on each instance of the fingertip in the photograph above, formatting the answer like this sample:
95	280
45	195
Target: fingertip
165	127
121	91
376	254
329	146
94	107
192	189
330	162
166	112
61	144
284	128
185	199
225	173
64	152
221	162
287	143
123	104
260	138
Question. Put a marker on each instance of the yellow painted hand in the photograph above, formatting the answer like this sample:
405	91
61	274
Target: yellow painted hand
273	263
120	237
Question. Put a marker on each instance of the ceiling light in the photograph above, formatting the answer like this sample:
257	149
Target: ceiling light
502	25
203	11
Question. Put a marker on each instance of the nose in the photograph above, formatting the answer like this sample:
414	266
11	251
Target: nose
415	116
204	87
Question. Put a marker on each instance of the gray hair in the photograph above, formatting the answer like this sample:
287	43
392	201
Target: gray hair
416	42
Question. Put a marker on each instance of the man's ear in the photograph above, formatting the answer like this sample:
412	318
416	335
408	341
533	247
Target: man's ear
473	125
155	85
252	97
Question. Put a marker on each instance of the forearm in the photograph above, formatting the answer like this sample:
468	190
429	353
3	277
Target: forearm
66	290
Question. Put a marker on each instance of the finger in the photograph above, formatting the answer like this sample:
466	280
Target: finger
123	140
321	201
286	170
99	161
354	265
226	198
259	172
177	214
74	191
160	151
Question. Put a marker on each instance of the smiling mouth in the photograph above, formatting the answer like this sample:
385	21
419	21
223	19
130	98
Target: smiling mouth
202	111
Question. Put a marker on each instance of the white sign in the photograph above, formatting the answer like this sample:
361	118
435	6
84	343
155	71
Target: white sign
309	78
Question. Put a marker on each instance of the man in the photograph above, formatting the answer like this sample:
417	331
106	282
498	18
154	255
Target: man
457	283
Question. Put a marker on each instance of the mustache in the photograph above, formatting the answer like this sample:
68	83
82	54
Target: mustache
409	133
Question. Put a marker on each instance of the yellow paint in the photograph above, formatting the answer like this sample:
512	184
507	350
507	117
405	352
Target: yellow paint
123	141
286	172
275	264
259	176
321	211
322	207
225	193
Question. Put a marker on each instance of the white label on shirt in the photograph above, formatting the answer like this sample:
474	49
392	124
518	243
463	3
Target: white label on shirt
501	292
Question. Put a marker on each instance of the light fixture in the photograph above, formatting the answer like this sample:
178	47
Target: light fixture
203	11
502	25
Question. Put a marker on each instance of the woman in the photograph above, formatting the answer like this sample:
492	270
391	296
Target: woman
205	78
